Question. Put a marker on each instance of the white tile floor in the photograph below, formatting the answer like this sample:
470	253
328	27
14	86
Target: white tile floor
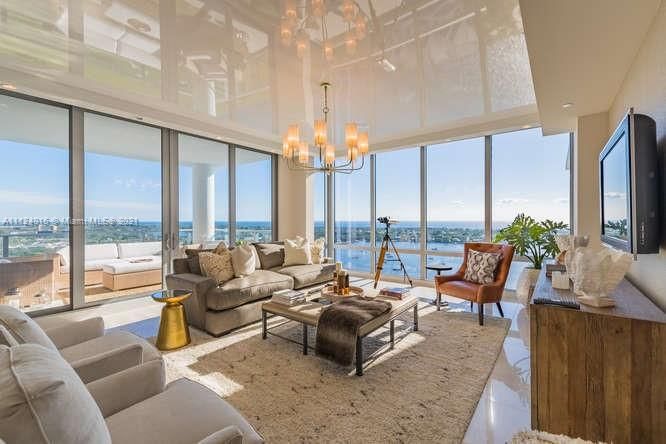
504	407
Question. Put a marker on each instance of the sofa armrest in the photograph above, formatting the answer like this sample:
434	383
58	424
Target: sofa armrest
121	390
195	305
189	281
74	333
228	435
109	362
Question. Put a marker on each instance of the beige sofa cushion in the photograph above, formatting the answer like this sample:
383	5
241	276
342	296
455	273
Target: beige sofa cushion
42	400
23	328
306	275
187	412
258	285
217	266
271	255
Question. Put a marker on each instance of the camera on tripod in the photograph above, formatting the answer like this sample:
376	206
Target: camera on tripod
386	220
387	243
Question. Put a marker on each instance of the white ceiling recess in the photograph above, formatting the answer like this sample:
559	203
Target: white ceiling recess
580	52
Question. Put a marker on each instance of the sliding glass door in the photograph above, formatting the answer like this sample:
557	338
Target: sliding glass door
203	192
254	196
94	207
123	208
34	205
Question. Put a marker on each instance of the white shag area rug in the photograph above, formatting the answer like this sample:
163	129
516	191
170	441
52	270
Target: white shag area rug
425	389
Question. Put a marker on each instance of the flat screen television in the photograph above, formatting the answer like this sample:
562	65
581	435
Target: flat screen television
630	186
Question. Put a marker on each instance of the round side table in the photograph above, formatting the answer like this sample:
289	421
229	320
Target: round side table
439	268
173	332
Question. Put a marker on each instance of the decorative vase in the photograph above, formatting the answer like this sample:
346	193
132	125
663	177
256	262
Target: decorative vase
526	282
597	273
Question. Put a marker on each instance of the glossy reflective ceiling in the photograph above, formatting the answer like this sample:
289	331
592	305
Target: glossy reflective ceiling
454	60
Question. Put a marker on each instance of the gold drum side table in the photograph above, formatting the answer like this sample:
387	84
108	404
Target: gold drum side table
173	332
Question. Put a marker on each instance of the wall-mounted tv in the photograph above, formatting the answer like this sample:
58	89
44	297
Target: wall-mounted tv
630	186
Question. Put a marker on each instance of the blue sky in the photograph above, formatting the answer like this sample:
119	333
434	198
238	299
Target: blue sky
529	176
37	183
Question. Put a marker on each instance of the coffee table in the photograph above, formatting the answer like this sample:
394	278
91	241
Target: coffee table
307	314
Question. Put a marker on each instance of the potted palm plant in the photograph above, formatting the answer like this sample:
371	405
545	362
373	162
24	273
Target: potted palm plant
536	242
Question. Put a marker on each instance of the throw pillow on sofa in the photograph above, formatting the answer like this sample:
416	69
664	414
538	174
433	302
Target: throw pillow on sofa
193	260
481	267
217	266
221	248
297	252
317	249
23	328
243	261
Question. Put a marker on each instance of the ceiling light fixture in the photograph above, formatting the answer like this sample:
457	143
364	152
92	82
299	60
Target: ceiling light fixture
9	86
567	105
296	152
299	27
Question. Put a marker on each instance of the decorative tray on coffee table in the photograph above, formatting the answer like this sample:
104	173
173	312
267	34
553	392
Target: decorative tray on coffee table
327	293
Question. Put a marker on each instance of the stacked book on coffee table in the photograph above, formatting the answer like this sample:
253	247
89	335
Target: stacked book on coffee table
288	297
399	293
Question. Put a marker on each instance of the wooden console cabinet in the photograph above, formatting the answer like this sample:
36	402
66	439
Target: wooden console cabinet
599	373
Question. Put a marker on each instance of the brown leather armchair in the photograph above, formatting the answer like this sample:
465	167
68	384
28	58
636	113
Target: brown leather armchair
455	284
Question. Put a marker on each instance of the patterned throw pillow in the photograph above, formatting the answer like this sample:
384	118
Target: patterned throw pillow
481	267
217	266
317	249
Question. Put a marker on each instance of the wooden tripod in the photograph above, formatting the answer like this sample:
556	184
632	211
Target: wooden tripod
386	242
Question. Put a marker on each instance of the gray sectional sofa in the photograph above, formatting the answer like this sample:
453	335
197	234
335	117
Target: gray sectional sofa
218	309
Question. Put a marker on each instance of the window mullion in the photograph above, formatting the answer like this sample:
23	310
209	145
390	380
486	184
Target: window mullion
424	210
488	183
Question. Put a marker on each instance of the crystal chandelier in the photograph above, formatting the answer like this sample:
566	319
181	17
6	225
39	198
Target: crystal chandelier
297	152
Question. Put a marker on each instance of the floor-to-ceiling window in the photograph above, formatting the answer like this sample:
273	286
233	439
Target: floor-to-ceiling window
123	207
450	193
530	175
398	191
319	205
89	209
254	196
455	199
352	219
34	204
203	191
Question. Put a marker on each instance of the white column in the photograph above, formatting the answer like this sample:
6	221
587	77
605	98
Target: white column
203	96
203	203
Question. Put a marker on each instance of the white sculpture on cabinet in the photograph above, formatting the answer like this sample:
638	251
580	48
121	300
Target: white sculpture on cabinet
596	273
